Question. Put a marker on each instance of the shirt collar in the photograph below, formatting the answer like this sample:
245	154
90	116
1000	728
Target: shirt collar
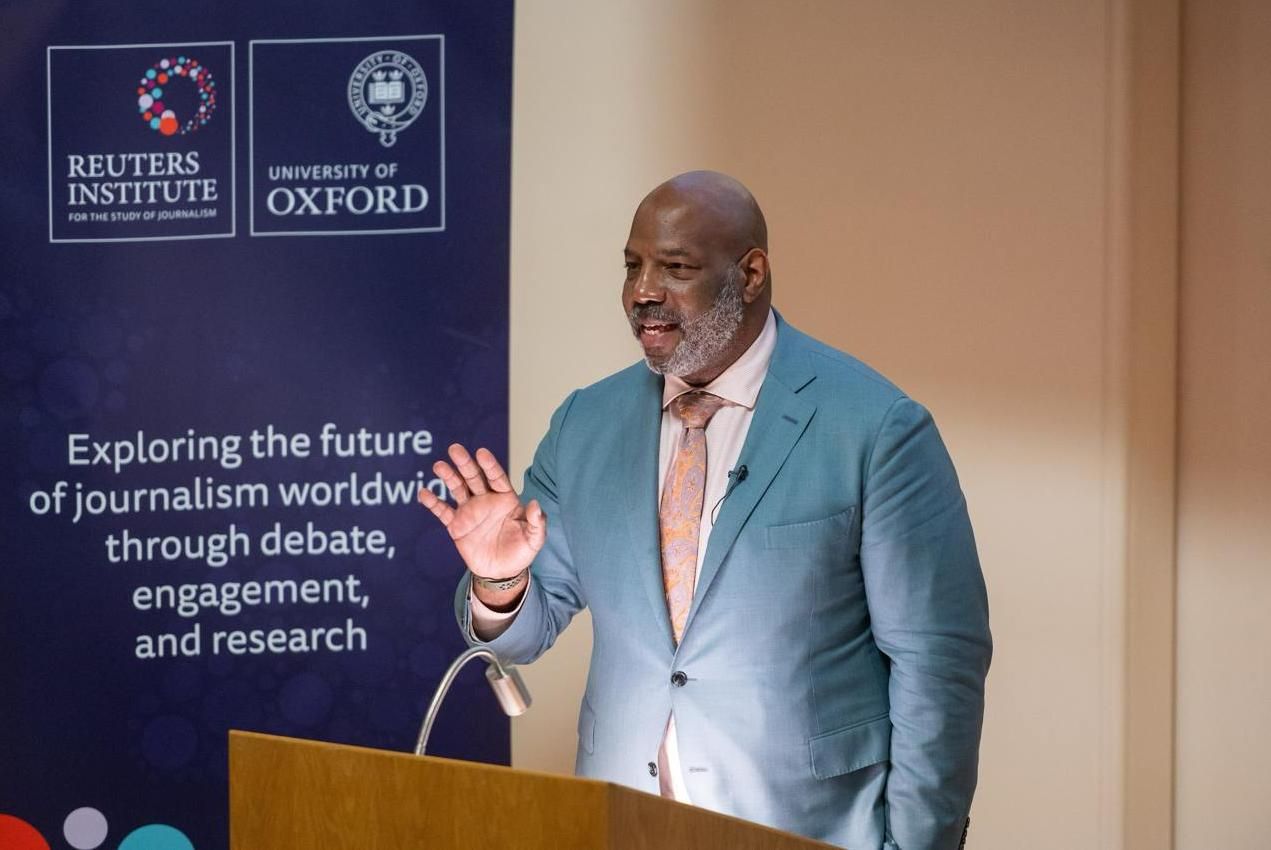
738	384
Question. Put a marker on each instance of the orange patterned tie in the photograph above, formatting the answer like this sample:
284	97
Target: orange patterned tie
680	515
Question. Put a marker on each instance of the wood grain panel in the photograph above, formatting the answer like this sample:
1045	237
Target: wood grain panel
287	794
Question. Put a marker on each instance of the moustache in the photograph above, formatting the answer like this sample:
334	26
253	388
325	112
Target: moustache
654	313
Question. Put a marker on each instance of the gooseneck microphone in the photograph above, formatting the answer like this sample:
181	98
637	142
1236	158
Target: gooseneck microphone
735	477
506	682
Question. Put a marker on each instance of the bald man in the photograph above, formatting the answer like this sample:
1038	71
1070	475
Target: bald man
790	622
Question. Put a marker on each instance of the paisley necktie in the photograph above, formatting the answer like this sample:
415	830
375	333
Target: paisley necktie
680	514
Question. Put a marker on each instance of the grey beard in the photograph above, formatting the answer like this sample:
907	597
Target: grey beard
708	336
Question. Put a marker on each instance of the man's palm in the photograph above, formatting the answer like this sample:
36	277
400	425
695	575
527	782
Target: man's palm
494	536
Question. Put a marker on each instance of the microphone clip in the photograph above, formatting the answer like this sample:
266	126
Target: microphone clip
735	477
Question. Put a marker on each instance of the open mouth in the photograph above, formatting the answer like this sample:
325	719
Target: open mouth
654	330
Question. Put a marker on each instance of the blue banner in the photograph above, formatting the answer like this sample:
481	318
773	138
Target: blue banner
254	282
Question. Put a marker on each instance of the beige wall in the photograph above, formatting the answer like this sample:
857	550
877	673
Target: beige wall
1224	537
976	198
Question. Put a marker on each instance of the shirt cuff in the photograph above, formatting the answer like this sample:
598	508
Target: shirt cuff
486	624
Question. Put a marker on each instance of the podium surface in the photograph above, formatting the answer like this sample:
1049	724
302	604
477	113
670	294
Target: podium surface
289	794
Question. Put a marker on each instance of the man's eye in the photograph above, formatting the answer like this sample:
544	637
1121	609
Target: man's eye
680	270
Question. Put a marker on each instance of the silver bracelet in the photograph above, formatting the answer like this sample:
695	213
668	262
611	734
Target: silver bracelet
502	584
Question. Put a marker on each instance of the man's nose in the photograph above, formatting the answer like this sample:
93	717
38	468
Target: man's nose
647	288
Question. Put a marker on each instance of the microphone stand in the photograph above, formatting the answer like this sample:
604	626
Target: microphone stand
506	682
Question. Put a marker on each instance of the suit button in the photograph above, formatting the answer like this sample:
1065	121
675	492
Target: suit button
653	769
679	679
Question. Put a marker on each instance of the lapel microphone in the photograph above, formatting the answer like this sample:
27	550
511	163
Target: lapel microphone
735	477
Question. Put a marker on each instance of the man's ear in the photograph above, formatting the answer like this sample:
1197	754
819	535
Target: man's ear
758	274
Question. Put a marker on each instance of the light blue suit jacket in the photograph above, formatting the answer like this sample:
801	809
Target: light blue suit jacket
834	658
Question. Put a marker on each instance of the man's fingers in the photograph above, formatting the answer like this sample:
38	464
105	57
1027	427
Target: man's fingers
453	482
440	509
535	523
468	468
493	471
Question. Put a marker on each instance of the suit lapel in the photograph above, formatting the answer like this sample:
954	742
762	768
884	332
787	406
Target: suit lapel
638	441
781	417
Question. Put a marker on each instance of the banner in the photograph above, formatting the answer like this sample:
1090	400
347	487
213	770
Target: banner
254	282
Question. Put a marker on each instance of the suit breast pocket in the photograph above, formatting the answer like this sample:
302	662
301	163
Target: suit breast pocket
832	530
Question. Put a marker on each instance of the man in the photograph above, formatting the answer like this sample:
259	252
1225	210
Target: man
790	623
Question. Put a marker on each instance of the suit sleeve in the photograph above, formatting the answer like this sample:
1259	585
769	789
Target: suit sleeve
929	614
554	595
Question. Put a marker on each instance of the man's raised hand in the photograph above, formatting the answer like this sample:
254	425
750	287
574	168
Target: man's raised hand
496	535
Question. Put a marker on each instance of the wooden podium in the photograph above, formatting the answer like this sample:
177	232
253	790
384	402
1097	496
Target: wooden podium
287	794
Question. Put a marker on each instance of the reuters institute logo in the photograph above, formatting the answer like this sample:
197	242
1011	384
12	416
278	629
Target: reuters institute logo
166	88
170	175
387	91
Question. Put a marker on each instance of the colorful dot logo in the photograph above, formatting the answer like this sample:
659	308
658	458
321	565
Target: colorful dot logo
156	836
17	834
152	89
86	829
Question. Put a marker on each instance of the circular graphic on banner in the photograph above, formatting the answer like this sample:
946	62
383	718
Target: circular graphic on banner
85	828
17	834
387	91
156	836
156	84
